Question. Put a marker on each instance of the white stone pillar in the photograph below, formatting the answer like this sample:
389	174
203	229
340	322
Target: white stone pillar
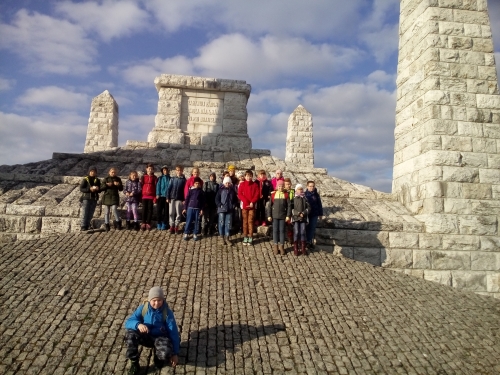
102	131
299	138
447	139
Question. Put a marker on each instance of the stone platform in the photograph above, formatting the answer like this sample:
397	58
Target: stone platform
240	310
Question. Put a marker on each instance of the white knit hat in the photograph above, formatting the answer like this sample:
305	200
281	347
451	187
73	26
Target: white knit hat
227	179
155	292
299	186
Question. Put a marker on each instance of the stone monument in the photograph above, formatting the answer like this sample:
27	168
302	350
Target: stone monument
299	138
102	131
447	139
202	111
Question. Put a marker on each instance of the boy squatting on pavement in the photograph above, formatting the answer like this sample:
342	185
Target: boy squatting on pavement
152	325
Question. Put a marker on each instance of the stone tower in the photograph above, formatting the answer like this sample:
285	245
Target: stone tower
447	138
102	132
299	138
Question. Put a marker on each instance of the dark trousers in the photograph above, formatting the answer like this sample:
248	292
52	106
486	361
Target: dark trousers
163	345
147	211
279	231
88	209
311	228
260	211
209	219
162	210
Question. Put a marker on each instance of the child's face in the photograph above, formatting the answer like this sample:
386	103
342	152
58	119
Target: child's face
248	177
279	174
196	172
279	187
310	186
156	303
92	173
288	185
112	172
262	176
178	171
212	177
149	170
196	185
164	171
300	191
231	172
227	184
133	176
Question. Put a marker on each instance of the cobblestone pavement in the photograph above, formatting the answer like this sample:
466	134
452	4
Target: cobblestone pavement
240	310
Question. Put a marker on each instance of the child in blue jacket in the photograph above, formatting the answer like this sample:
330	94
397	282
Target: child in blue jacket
161	198
153	325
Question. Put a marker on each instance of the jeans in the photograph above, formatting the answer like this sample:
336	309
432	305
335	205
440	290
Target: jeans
175	212
225	220
114	209
193	217
311	228
88	209
279	231
299	231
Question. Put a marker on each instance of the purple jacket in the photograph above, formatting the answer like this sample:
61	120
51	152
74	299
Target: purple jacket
195	199
133	187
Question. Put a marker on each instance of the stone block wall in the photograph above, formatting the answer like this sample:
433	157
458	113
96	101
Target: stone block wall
447	141
102	131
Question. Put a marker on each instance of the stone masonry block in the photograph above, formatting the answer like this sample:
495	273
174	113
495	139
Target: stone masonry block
441	277
490	243
469	280
362	238
450	260
33	224
489	176
484	145
24	210
488	101
368	255
471	129
396	258
485	261
460	242
476	191
492	131
422	259
456	143
474	159
403	240
458	206
493	282
56	224
12	224
469	16
439	223
460	174
478	225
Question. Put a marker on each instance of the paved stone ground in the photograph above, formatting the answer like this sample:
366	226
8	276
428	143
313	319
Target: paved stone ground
240	310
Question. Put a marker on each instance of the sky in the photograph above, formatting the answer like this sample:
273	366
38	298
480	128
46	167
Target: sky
337	58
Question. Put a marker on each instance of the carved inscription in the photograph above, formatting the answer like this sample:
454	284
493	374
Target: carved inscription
201	111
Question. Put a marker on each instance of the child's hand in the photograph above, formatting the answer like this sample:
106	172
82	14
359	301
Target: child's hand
201	212
142	328
109	183
117	183
173	360
301	214
183	212
157	197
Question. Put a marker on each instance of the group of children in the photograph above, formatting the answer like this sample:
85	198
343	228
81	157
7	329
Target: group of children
240	201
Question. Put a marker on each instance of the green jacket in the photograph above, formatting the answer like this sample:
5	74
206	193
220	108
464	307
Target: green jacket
111	194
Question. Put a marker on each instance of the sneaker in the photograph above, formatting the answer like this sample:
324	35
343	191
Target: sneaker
143	226
196	238
264	224
250	241
245	241
186	238
148	227
158	226
134	368
172	230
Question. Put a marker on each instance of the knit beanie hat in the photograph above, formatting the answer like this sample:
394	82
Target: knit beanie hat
156	292
231	168
280	182
197	180
240	174
93	168
299	186
227	179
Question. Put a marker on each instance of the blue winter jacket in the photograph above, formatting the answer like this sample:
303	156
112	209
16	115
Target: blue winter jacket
156	326
316	207
162	185
195	199
225	199
176	188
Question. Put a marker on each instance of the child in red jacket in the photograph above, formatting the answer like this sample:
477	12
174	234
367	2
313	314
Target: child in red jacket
248	194
148	182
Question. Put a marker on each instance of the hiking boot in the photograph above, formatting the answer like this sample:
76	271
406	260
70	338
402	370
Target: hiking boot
172	230
296	249
143	226
177	230
137	226
148	227
134	368
83	229
107	227
303	248
282	249
127	225
118	225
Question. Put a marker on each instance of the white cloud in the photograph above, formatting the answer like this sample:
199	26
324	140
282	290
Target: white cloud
28	138
266	61
6	84
323	18
108	18
135	128
55	97
49	45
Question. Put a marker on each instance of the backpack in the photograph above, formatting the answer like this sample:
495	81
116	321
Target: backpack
285	194
164	310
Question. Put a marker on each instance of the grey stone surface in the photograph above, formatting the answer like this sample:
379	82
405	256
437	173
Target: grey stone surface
239	310
102	131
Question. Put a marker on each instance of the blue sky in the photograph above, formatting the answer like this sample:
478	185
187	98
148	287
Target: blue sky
337	58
